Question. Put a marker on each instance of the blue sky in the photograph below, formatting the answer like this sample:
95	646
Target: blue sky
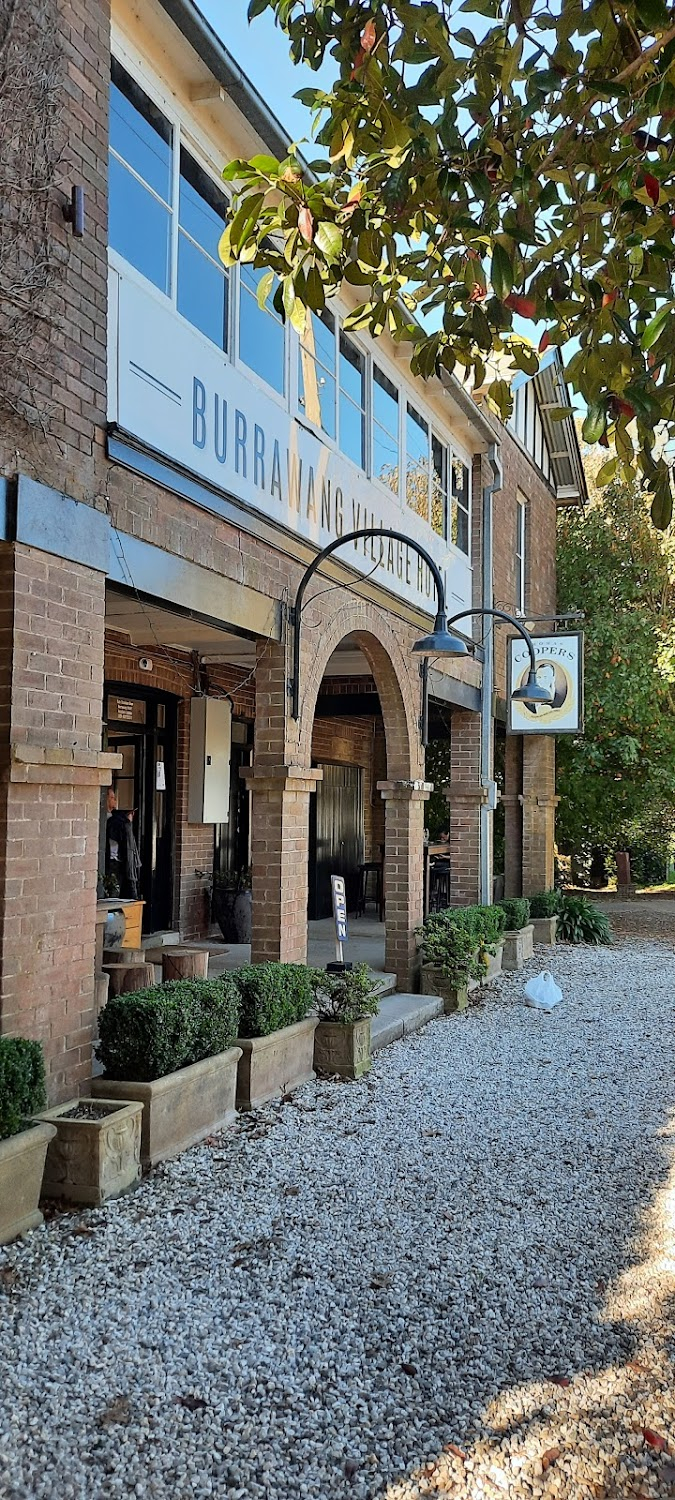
261	50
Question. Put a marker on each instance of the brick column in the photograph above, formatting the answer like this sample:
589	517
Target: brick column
51	685
465	796
403	873
280	858
513	820
539	804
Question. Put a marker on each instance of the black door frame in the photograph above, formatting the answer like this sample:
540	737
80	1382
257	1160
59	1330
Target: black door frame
152	736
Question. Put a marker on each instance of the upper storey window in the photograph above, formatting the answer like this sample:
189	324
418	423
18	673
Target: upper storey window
141	149
262	341
167	228
202	281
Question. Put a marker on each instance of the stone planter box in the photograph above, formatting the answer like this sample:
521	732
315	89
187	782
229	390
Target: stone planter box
271	1065
181	1109
92	1160
495	964
343	1049
22	1163
518	946
436	982
545	929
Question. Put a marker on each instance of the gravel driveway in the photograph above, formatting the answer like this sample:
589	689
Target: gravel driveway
452	1278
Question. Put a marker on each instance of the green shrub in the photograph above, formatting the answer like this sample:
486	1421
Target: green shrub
545	904
345	997
22	1083
272	996
579	921
155	1031
516	912
460	939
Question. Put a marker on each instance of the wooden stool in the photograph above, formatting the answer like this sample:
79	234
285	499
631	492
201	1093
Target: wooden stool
439	888
124	978
184	963
124	956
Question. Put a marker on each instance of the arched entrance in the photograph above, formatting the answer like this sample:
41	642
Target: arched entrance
285	773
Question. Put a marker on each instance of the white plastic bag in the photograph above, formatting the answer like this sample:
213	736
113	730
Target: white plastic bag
542	992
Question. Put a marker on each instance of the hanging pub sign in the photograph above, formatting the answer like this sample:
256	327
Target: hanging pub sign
560	668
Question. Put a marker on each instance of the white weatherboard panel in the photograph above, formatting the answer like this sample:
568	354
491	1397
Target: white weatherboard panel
178	394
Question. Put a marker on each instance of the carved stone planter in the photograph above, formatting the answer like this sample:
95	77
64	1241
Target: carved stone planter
495	964
96	1150
545	929
343	1049
436	982
271	1065
22	1163
518	946
183	1108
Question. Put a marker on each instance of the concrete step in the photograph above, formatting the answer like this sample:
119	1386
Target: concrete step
385	984
399	1015
161	939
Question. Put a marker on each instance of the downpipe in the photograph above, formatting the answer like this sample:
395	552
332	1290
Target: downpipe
487	683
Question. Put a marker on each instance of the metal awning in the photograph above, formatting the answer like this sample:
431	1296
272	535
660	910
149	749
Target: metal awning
569	480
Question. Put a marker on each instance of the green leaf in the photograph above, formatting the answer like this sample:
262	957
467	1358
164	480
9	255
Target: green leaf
264	288
662	503
256	8
328	239
594	423
501	274
267	166
656	325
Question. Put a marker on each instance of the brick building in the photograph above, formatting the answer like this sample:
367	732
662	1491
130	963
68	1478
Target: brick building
180	459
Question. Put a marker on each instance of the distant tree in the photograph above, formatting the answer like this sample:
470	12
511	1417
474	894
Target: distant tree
525	168
617	781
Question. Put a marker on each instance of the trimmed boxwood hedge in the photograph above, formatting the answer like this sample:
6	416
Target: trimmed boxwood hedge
545	904
272	996
516	912
157	1030
22	1083
460	939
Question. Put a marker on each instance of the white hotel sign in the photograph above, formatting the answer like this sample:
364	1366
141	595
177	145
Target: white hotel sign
176	393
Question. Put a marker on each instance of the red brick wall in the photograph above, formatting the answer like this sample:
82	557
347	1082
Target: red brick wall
540	534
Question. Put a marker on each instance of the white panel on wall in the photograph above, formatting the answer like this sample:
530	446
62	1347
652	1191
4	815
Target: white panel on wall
209	770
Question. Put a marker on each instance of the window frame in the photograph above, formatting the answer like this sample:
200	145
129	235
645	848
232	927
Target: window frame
521	551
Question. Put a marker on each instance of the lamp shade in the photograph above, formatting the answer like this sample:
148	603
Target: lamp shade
532	691
441	642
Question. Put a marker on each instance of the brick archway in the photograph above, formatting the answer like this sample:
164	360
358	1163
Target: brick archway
396	675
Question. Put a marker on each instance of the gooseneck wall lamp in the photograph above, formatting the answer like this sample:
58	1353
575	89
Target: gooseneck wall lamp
441	642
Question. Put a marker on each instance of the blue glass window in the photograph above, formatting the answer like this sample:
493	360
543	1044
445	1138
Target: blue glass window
140	179
261	331
352	401
460	505
385	430
417	463
202	279
316	371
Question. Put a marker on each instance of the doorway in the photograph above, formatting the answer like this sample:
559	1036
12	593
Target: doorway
141	727
336	836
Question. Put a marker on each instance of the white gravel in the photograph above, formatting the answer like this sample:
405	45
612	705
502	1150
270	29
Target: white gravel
321	1300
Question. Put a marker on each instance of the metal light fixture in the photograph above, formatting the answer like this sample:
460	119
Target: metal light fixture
531	691
441	642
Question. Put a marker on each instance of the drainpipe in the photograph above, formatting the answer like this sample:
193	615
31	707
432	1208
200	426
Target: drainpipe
486	745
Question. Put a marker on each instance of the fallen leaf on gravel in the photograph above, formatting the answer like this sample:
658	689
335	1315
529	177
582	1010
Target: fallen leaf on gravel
452	1448
549	1457
118	1411
380	1280
409	1369
640	1369
193	1403
291	1191
563	1380
351	1467
8	1276
654	1439
83	1229
211	1140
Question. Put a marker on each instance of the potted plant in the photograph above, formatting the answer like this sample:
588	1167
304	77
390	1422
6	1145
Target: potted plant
23	1142
345	1003
460	947
519	934
544	909
172	1046
276	1031
231	906
96	1152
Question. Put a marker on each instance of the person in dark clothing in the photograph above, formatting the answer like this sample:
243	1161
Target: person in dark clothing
122	858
